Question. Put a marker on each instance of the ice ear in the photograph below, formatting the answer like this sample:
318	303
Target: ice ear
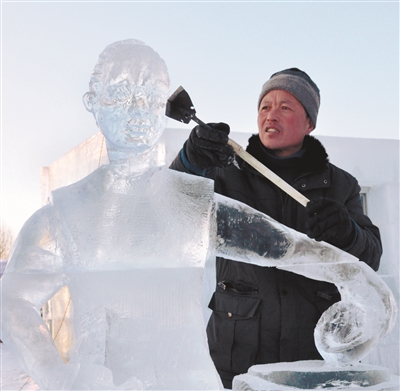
89	100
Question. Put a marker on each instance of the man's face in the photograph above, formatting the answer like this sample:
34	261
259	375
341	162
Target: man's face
282	123
131	101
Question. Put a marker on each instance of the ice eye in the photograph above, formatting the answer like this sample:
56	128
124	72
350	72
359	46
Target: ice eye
116	94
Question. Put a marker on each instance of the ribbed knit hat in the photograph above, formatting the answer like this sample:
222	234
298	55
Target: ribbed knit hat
300	85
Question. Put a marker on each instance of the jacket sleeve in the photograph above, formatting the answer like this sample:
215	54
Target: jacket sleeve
177	163
181	163
367	245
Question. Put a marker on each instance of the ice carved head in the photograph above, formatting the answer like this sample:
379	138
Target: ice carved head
129	88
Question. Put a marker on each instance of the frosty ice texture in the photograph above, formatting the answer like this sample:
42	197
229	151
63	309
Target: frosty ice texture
349	329
134	275
131	240
314	375
128	90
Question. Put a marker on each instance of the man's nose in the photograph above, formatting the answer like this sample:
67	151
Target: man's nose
272	114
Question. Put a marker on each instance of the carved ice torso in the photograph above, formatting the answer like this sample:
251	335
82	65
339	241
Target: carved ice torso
110	222
134	251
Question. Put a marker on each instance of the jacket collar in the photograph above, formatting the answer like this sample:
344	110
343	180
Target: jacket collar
313	156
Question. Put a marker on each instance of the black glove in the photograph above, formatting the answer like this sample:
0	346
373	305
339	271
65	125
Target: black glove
329	220
207	146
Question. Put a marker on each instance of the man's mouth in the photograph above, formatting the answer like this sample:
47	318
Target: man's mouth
272	130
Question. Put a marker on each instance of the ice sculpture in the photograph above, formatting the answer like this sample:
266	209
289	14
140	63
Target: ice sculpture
130	241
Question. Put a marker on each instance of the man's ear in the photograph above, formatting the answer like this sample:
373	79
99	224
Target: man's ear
311	126
89	100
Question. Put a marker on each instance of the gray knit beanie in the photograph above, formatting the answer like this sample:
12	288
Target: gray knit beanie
300	85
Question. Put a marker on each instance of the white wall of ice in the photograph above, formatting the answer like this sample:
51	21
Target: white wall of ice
374	162
3	263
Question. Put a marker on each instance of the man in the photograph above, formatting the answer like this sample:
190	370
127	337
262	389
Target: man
281	328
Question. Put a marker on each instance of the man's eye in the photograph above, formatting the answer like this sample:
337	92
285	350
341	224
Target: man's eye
285	108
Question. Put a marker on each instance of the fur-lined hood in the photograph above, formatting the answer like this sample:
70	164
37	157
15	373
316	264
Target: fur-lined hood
314	157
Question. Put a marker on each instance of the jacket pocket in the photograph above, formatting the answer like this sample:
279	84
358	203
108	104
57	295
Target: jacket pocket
233	331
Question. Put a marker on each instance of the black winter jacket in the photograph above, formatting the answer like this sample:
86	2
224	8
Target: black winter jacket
265	315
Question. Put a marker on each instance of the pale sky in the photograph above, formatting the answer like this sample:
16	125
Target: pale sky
220	52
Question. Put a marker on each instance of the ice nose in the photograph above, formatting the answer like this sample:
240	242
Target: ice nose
138	102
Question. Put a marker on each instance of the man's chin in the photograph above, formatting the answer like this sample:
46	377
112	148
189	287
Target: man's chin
268	143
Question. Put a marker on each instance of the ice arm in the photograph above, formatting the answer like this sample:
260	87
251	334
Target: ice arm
34	274
246	235
23	330
348	330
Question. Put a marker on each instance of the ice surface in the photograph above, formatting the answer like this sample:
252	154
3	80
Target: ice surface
130	242
349	329
315	375
12	376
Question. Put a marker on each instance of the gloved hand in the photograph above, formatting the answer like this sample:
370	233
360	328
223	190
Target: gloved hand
207	146
329	220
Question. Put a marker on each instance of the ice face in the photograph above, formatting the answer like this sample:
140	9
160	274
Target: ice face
129	89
